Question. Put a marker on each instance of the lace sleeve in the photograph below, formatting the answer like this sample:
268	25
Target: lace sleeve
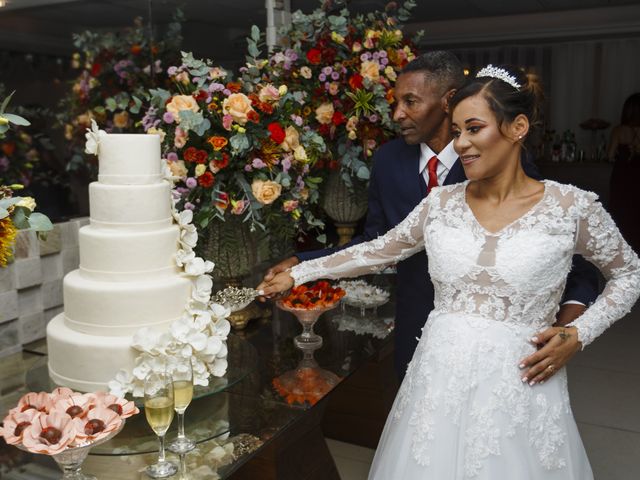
600	242
397	244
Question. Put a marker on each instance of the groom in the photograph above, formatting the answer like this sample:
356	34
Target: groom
404	171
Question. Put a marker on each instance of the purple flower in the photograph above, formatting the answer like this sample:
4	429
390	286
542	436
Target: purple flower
4	164
189	206
191	182
244	69
291	54
322	77
375	55
258	163
247	168
168	117
382	53
172	157
182	190
216	87
365	56
335	76
327	70
300	183
384	61
226	91
286	163
172	71
297	119
373	118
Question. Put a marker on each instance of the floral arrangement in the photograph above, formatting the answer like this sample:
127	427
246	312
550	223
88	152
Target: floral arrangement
343	68
360	293
319	295
15	212
115	70
25	157
51	423
237	148
200	334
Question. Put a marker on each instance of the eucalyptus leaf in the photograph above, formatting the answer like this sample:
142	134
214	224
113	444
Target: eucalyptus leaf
4	213
40	222
255	33
20	217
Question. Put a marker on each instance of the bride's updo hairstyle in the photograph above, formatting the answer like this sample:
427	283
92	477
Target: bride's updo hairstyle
508	91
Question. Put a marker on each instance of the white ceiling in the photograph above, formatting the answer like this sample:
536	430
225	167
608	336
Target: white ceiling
216	28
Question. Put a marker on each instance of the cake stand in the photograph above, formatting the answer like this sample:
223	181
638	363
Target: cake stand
307	318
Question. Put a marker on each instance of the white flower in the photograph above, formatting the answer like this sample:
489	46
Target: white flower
221	328
183	330
93	138
189	236
197	267
184	256
184	218
121	384
219	311
202	287
219	367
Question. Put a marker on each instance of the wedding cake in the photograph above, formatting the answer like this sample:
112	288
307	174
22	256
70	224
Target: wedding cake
128	277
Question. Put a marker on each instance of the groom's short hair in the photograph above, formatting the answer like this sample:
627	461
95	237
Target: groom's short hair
440	66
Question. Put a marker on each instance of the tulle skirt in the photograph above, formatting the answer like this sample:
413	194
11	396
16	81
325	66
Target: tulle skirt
462	411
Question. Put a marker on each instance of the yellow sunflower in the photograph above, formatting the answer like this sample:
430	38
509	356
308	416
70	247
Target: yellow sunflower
8	233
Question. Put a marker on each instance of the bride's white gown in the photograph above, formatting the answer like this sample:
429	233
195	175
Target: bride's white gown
462	410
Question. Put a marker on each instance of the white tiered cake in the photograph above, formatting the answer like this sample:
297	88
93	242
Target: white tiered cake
128	278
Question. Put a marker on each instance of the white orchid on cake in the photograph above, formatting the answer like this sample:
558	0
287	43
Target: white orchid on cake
93	138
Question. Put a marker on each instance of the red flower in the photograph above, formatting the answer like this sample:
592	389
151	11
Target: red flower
253	116
355	82
200	95
265	107
329	55
96	68
277	132
206	179
333	165
234	87
190	154
136	49
222	163
338	118
324	129
314	56
201	156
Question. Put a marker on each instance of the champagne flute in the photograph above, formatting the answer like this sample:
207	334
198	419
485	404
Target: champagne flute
158	408
183	393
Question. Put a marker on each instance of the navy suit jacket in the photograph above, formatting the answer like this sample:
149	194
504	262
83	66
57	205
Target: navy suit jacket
394	191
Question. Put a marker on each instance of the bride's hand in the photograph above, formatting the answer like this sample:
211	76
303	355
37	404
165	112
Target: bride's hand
558	345
278	284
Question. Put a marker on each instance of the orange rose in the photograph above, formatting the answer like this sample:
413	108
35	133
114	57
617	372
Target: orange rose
370	70
266	192
182	102
121	120
218	143
238	105
324	113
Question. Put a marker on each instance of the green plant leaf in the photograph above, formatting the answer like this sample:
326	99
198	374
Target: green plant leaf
6	102
16	119
20	217
40	222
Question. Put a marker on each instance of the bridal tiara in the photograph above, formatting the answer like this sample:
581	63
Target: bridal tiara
499	73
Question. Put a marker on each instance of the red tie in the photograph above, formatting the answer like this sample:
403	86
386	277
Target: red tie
432	169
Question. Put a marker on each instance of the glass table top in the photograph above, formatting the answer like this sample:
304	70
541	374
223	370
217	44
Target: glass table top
234	419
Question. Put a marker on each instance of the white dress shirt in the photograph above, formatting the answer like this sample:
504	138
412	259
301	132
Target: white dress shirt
446	158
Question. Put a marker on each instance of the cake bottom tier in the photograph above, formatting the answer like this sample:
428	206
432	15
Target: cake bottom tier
85	362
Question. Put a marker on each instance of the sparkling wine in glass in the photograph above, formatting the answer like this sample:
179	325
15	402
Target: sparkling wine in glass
158	408
183	393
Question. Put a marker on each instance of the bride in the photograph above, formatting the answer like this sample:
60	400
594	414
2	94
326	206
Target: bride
499	248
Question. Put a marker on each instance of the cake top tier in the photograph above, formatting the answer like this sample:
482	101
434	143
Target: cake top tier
129	159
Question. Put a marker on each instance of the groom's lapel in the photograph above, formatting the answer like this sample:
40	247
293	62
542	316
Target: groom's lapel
413	181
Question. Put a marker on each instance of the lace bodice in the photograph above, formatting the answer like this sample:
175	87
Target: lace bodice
516	275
